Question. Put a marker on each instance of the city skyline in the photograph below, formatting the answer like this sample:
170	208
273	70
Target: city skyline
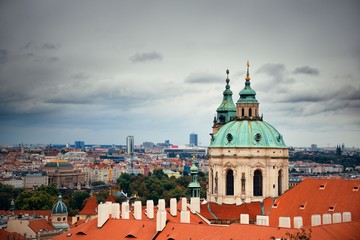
99	72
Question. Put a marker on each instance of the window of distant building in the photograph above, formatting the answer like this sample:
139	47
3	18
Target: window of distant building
257	183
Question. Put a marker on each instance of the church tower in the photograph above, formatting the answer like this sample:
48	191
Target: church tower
226	112
248	159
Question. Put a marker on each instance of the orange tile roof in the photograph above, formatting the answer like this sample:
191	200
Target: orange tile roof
42	213
10	235
339	194
230	212
187	231
90	207
38	225
112	229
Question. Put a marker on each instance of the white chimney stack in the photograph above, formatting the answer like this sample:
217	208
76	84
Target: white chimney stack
161	205
326	218
173	206
315	220
195	204
125	210
183	204
336	217
160	220
262	220
346	216
137	210
285	222
298	222
115	210
103	214
150	209
244	218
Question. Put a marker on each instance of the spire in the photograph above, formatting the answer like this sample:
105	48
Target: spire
227	110
247	72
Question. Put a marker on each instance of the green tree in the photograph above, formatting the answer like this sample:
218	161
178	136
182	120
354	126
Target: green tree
5	200
77	199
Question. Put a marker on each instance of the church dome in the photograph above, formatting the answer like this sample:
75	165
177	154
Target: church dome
59	207
248	134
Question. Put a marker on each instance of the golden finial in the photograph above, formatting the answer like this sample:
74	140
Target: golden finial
247	72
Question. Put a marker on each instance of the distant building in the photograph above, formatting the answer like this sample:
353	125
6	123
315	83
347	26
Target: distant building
63	175
80	144
34	180
16	182
313	147
193	139
130	144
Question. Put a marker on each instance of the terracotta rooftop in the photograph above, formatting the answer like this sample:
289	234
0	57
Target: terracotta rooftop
213	211
10	235
90	207
318	196
38	225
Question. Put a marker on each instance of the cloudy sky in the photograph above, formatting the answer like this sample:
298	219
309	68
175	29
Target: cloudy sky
99	71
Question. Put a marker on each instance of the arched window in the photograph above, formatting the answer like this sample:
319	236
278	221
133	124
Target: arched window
280	182
242	112
257	183
222	119
229	182
250	112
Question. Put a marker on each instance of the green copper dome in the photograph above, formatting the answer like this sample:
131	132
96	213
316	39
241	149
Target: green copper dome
253	134
59	207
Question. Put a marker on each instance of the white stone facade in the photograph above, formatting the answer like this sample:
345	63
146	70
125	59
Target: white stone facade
243	162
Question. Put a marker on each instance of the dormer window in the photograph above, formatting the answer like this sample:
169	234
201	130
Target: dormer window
322	187
302	206
356	189
275	205
331	208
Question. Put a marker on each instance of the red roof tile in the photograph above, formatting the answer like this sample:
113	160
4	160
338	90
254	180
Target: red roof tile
10	235
90	207
38	225
316	197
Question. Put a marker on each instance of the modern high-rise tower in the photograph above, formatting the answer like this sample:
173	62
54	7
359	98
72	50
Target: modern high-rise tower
193	139
130	144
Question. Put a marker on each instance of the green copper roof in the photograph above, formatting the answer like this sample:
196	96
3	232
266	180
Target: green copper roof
256	134
59	207
247	95
227	109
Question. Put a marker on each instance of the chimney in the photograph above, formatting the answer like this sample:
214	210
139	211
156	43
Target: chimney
125	210
262	220
346	216
195	204
285	222
326	218
173	207
115	210
183	204
298	222
160	219
336	217
161	205
103	214
244	218
137	210
315	220
150	209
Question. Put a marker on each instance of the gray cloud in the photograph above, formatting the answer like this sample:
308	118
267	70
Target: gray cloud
306	70
146	57
43	46
3	56
204	78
